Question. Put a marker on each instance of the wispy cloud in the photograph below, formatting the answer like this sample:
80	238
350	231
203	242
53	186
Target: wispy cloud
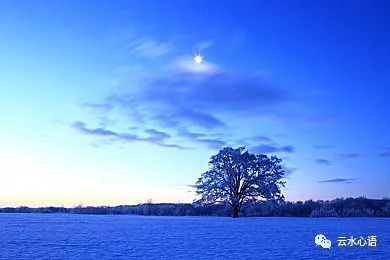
290	170
154	137
385	152
157	135
81	127
179	99
199	98
196	118
268	148
148	47
151	136
183	132
349	155
103	106
252	141
201	138
339	180
323	162
260	138
212	143
321	147
204	45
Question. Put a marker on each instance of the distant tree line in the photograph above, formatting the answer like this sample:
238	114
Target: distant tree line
348	207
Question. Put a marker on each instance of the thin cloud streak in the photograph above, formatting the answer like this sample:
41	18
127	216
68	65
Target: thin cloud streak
267	149
385	152
349	155
150	48
155	137
339	180
323	162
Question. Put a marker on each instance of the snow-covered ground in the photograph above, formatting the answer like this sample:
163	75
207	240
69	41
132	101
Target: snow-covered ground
45	236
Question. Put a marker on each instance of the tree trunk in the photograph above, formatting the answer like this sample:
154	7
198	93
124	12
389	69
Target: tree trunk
235	211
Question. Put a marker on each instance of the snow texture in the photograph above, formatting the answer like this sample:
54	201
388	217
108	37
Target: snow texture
65	236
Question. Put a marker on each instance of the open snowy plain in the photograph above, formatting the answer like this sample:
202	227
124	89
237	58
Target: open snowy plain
65	236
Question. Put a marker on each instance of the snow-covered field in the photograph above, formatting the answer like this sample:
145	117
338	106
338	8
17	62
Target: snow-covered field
45	236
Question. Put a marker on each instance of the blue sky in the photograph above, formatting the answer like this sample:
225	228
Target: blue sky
102	104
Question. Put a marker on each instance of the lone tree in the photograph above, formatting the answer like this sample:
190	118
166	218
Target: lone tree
237	177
